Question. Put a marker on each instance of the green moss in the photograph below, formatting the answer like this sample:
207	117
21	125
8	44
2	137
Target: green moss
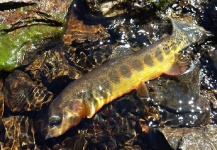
14	44
162	4
31	32
4	26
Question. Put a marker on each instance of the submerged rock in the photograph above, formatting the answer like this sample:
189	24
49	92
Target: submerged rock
179	100
88	45
213	55
52	65
22	94
209	20
19	133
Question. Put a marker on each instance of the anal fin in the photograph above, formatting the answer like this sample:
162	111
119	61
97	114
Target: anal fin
142	90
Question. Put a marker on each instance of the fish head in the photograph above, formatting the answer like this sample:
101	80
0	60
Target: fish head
62	115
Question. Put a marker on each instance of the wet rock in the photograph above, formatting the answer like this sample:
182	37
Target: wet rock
16	1
208	77
76	142
209	21
22	94
1	100
1	109
191	138
213	55
28	28
110	8
101	140
52	65
89	60
79	32
1	105
19	133
135	147
81	38
179	100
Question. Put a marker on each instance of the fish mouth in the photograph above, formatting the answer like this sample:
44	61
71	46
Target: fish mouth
48	136
44	128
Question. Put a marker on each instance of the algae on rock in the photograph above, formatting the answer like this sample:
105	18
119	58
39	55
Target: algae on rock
27	28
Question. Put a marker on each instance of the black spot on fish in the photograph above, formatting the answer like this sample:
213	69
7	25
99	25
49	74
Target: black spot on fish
148	60
166	49
105	83
159	55
178	40
114	76
137	65
174	47
125	71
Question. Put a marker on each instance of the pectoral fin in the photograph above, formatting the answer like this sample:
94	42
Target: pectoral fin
181	64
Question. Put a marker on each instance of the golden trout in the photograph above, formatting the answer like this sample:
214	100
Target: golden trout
85	96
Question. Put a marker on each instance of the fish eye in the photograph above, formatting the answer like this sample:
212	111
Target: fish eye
54	121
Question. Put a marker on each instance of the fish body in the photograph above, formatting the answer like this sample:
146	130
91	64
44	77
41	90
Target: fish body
85	96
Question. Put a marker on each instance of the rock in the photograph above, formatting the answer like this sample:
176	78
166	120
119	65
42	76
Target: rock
213	55
191	138
28	28
179	100
17	1
79	32
89	44
110	8
19	133
52	65
209	21
1	109
22	94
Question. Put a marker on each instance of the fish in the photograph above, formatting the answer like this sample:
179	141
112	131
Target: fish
85	96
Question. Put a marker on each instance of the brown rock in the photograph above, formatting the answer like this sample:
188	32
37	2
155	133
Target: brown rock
79	32
191	138
19	133
52	65
17	1
22	94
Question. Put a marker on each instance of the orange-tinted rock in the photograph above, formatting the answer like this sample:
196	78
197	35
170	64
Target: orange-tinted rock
79	32
145	128
22	94
19	133
52	65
